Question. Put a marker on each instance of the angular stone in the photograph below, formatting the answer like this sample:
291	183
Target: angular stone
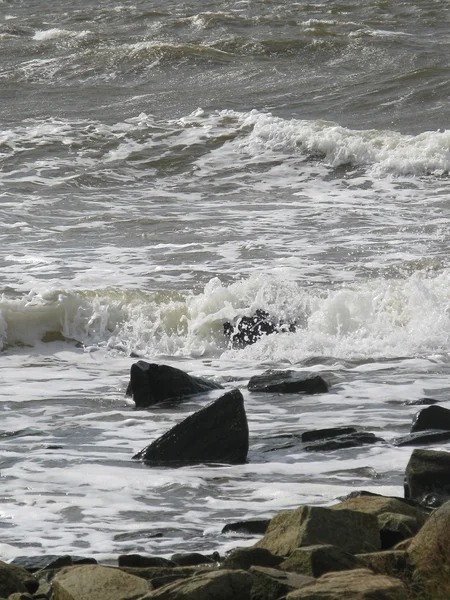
217	585
397	519
317	560
287	382
427	472
432	417
351	530
95	582
244	558
217	433
29	581
429	553
394	563
10	581
271	584
151	383
358	584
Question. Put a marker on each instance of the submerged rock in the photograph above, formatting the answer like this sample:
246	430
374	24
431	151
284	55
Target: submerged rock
151	383
217	433
248	330
422	438
287	382
349	440
253	527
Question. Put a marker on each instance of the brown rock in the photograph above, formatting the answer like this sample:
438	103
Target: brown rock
217	585
351	530
10	582
359	584
429	553
320	559
270	584
94	582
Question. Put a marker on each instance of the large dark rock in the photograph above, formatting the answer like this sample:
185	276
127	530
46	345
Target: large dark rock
151	383
217	433
432	417
428	474
248	330
287	382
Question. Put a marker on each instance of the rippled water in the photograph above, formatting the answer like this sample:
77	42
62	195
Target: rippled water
165	170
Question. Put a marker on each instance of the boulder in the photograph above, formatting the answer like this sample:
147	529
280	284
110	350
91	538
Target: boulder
432	417
10	580
325	434
96	583
159	576
320	559
422	438
217	433
350	440
138	561
244	558
248	330
427	473
358	584
388	562
287	382
151	383
271	584
189	559
397	520
252	527
429	554
29	581
351	530
220	585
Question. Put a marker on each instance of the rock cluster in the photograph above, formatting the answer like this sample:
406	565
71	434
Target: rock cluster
342	552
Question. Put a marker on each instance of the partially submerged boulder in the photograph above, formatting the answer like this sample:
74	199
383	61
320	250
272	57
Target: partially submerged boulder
251	527
287	382
151	383
432	417
427	477
217	433
351	530
349	440
422	438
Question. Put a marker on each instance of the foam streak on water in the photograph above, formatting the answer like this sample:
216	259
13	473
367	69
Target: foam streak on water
166	169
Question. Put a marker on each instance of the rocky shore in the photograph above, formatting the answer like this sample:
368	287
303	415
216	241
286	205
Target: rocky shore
365	547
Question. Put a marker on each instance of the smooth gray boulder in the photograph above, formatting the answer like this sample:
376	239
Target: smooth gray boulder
151	384
217	433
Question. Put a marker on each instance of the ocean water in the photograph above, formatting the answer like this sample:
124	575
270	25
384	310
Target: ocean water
169	166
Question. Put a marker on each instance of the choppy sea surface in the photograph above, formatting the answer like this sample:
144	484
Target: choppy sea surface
168	166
